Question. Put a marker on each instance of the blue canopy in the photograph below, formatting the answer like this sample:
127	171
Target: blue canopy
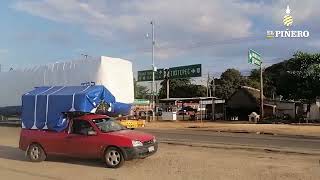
43	107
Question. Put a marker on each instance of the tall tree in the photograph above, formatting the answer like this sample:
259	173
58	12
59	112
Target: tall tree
140	92
296	78
181	88
229	81
254	79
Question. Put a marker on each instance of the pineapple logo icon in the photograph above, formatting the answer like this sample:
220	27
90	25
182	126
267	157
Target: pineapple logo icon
287	22
287	19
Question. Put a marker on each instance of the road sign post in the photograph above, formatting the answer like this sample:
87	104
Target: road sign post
256	59
168	82
261	93
171	73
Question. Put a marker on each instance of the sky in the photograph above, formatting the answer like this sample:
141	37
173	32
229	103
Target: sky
214	33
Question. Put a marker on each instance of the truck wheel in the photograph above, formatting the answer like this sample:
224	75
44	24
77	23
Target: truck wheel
36	153
113	157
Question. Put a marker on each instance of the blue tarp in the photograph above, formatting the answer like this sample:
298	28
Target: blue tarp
43	107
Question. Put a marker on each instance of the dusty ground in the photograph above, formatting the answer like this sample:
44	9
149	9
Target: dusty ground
285	129
171	162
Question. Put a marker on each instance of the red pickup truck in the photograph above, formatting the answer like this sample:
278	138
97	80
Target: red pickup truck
89	136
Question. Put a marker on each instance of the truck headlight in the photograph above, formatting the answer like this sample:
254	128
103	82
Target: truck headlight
136	143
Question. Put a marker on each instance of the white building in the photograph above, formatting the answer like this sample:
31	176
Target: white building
314	113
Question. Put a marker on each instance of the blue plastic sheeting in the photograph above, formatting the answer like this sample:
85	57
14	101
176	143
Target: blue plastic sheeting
119	108
43	107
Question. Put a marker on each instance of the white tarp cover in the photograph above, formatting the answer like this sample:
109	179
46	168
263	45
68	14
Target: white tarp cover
113	73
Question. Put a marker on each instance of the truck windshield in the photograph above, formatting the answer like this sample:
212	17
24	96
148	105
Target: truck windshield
108	125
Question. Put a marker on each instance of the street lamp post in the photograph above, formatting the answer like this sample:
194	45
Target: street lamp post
84	55
153	73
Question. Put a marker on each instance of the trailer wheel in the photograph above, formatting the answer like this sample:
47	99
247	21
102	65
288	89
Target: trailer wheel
113	157
36	153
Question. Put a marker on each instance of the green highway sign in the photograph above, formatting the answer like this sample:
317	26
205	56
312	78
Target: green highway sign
147	75
185	71
174	73
254	57
141	102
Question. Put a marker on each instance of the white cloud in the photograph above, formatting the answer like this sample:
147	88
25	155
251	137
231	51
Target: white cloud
127	21
314	43
179	24
3	51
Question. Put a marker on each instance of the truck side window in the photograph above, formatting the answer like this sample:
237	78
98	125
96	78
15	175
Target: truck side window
81	127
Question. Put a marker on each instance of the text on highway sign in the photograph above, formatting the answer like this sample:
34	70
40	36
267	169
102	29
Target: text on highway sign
254	57
174	73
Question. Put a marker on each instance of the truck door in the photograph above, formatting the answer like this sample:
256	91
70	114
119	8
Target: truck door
79	143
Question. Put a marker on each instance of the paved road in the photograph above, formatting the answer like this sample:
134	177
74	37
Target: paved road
294	144
170	162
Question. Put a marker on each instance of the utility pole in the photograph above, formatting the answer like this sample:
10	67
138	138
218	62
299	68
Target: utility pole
256	59
168	82
157	98
213	87
85	55
261	93
208	85
153	73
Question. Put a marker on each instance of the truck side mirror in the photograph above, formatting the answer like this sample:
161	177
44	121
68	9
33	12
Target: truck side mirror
92	133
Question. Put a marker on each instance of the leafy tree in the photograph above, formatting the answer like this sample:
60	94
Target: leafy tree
254	79
296	78
140	92
229	82
181	88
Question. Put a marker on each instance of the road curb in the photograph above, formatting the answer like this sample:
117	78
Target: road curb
247	148
259	132
244	132
10	124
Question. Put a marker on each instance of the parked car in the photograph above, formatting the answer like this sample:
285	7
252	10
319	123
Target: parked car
89	136
187	111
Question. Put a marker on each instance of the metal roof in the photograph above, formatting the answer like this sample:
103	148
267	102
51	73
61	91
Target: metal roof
193	98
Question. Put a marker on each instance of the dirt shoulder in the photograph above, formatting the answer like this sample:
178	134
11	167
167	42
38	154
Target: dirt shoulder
277	129
170	162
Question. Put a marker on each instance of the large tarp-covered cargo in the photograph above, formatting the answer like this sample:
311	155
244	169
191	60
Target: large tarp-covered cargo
113	73
43	107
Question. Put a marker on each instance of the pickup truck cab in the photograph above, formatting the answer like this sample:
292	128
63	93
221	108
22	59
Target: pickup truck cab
89	136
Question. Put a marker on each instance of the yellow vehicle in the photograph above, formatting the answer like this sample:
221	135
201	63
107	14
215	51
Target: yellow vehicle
139	110
131	124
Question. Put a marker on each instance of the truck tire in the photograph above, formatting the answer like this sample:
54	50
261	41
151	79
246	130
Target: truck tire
36	153
113	157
